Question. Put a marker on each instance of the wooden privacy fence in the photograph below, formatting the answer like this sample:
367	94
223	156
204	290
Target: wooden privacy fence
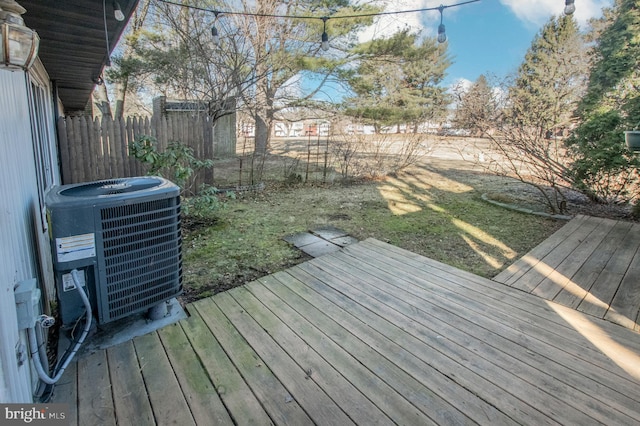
94	149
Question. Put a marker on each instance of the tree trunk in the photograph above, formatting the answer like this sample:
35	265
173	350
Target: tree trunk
263	114
262	133
121	94
101	100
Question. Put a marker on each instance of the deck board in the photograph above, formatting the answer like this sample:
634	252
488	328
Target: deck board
597	301
200	394
590	264
293	376
580	285
258	302
375	334
66	392
167	400
95	399
625	304
548	264
445	370
367	340
561	276
515	271
525	310
280	299
129	393
241	403
473	333
279	404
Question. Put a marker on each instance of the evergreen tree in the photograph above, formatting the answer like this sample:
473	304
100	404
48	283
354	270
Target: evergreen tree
397	81
476	109
552	78
604	168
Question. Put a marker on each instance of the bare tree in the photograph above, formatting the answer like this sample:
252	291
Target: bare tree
284	48
526	117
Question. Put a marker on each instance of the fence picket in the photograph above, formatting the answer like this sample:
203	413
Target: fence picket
65	162
95	149
78	150
96	133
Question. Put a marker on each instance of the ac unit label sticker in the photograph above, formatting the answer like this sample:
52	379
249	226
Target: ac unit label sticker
76	247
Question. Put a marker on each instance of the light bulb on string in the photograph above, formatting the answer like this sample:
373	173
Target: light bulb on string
117	12
442	35
325	37
214	31
215	36
569	7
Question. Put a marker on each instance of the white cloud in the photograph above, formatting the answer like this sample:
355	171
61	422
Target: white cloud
461	84
538	12
387	25
533	13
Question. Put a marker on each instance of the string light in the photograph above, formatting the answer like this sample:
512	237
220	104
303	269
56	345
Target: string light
442	36
325	38
214	30
569	7
117	12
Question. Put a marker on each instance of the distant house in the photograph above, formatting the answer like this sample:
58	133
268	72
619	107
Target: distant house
73	51
294	129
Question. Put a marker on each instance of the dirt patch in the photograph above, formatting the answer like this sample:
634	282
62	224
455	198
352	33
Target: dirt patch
196	223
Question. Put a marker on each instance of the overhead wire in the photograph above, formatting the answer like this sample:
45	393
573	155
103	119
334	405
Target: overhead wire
325	38
359	15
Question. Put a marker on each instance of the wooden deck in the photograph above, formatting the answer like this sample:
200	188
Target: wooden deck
591	264
370	335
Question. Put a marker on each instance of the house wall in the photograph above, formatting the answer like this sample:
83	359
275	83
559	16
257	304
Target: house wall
18	209
45	155
24	246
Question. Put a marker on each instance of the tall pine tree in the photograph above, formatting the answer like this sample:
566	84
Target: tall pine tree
398	81
476	109
524	114
604	168
552	78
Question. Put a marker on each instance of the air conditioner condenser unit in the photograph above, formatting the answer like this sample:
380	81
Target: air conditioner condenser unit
123	236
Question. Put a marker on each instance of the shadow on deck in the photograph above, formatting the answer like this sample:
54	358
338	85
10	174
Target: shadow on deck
372	334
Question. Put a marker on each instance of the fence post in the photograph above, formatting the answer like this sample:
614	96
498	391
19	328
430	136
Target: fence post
66	174
78	151
98	142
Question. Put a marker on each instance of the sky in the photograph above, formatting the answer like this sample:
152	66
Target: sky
488	37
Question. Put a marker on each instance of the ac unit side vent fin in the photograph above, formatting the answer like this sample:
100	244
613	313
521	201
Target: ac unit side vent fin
122	240
143	292
128	279
126	221
140	227
117	212
121	261
127	248
158	297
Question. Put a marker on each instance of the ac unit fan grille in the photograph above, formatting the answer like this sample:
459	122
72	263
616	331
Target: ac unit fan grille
142	256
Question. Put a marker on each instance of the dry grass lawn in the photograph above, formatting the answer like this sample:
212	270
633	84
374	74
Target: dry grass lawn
432	208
